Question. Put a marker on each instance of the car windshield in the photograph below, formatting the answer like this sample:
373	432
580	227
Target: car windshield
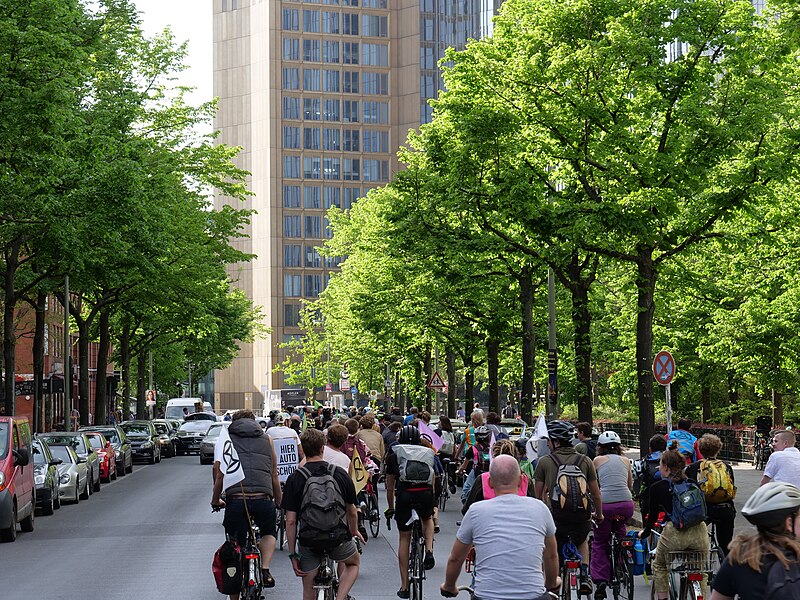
38	455
175	412
95	442
63	453
213	431
111	435
161	427
3	439
73	441
201	417
136	428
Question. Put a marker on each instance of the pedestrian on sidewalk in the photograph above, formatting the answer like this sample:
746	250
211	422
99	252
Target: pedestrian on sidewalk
784	462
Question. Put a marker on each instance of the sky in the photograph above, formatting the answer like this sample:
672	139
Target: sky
191	21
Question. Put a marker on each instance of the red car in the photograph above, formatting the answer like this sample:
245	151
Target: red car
106	453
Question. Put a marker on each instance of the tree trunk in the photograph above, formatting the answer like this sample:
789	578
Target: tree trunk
469	385
125	359
733	399
100	397
427	361
38	361
705	394
777	409
451	383
141	368
528	345
582	322
83	370
646	285
417	377
9	338
493	364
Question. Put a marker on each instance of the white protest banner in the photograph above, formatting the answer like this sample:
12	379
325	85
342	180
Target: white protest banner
227	457
287	456
537	445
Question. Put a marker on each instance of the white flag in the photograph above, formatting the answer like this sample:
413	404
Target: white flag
537	445
492	442
227	457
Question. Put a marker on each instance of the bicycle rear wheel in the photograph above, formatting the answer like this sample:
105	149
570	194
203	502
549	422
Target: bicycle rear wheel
281	528
569	584
416	568
373	514
623	577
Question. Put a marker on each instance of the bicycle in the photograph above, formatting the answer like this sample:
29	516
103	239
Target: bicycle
326	581
252	586
761	450
689	574
445	495
416	557
621	567
280	524
369	509
570	571
717	555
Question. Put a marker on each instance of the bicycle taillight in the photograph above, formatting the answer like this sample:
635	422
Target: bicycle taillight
251	556
573	564
695	576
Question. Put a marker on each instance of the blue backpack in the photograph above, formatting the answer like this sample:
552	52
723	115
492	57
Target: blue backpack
688	505
685	443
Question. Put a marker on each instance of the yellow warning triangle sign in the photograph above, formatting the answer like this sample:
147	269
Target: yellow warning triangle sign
437	382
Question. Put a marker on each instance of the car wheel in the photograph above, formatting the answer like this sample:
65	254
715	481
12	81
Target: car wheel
57	498
96	487
50	507
152	459
89	484
158	460
9	534
87	490
114	475
27	523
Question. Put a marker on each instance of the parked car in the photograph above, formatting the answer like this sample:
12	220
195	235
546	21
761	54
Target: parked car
17	486
73	473
45	475
208	443
513	428
166	436
192	432
106	454
123	457
144	440
80	443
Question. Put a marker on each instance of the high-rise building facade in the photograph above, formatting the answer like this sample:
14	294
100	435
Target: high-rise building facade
319	95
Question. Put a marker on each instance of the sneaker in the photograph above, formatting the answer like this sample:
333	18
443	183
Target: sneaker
452	488
267	578
363	531
403	594
585	586
429	561
600	592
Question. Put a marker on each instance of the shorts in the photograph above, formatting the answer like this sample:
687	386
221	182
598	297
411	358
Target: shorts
310	559
578	531
235	520
422	501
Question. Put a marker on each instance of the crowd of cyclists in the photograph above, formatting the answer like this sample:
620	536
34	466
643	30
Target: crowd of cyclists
568	495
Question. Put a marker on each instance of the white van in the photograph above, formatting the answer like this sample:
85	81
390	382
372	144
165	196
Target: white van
175	407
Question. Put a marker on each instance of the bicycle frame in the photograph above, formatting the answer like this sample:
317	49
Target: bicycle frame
416	556
252	585
326	582
570	571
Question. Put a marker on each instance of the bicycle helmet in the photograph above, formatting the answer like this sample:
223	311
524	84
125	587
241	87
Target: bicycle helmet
770	504
408	435
282	418
609	437
522	445
482	433
559	430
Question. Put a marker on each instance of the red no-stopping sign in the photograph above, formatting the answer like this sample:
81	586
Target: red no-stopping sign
664	367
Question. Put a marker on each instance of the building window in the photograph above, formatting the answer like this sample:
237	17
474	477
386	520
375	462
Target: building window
311	167
374	3
427	58
311	50
313	259
331	139
330	22
350	54
313	285
350	195
291	19
311	21
311	197
291	137
311	138
330	81
311	109
291	49
291	285
374	26
291	226
331	168
292	255
351	137
376	170
333	195
376	84
351	169
291	167
330	52
350	2
349	24
333	262
313	226
427	89
376	141
291	78
376	112
426	31
331	110
291	315
376	55
311	80
291	107
327	230
350	82
350	113
291	196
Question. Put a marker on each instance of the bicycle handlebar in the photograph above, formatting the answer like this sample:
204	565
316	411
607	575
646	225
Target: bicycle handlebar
461	588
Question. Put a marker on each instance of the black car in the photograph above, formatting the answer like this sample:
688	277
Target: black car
166	437
45	474
119	441
144	440
192	431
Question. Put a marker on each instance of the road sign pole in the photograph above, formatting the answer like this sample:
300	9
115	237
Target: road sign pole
668	394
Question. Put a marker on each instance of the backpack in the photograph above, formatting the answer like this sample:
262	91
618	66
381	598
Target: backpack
570	494
688	505
416	464
480	459
591	448
227	568
449	445
645	474
685	443
715	481
783	584
322	511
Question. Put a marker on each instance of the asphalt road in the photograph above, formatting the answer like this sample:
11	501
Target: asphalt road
151	535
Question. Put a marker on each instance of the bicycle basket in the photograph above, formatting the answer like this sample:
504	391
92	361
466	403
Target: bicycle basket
691	562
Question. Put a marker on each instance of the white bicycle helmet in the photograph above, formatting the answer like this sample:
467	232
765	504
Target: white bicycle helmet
769	506
282	418
609	437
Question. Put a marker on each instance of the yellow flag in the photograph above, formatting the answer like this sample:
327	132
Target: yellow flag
358	473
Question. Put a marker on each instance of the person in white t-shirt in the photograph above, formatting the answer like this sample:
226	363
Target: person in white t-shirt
522	566
337	436
784	462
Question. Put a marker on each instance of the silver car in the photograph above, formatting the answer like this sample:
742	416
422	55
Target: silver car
208	443
83	448
73	473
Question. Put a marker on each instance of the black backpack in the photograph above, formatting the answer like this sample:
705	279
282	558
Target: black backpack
782	583
227	568
322	515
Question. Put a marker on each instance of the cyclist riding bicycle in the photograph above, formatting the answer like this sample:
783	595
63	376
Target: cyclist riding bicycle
674	494
482	490
772	553
409	486
615	479
260	489
476	459
567	482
